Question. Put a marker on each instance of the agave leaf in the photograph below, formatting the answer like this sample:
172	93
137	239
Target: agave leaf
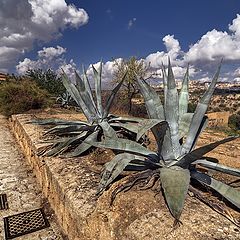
115	167
108	131
63	146
126	146
87	86
199	114
184	124
53	121
171	111
148	124
140	164
164	84
161	133
128	126
112	96
230	193
62	129
84	146
97	78
85	94
152	101
218	167
198	153
184	95
202	127
155	111
175	183
77	98
125	119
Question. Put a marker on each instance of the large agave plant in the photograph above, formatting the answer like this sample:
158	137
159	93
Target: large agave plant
100	124
176	132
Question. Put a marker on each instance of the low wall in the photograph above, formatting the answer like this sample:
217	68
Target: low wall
48	172
70	186
218	119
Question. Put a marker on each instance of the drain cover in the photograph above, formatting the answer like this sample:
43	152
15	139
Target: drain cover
24	223
3	202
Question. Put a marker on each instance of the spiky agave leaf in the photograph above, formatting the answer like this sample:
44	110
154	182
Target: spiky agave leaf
54	121
97	80
78	99
175	182
164	73
198	153
108	131
184	124
112	96
152	101
115	167
85	94
156	111
125	145
184	95
218	167
171	111
230	193
85	145
124	119
64	145
66	129
199	114
148	124
87	85
126	125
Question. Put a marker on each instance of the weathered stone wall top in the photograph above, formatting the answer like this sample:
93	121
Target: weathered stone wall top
218	119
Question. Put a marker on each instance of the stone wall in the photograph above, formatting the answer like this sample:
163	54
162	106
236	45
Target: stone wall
70	186
218	119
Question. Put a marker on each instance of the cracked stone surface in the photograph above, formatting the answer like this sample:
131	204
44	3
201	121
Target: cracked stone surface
19	183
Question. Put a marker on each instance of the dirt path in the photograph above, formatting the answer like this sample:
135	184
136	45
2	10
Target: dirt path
19	183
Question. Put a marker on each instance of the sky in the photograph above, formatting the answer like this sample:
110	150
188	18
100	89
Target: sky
70	33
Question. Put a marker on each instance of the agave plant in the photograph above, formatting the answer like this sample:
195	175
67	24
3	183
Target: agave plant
100	124
176	132
64	99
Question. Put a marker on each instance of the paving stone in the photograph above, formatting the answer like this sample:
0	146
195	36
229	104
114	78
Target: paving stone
19	183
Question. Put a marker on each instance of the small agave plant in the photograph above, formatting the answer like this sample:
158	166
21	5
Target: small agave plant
176	133
64	99
74	135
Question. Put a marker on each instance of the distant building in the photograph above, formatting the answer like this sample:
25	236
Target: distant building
3	76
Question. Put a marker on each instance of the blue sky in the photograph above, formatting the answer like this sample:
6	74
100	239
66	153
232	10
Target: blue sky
68	33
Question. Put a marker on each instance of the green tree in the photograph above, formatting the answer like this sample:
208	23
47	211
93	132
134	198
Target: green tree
47	80
134	68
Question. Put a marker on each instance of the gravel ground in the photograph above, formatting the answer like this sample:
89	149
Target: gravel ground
19	183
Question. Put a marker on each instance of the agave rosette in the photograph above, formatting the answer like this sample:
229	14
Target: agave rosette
64	99
72	136
176	132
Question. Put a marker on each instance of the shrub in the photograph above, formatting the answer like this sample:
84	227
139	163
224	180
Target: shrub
18	97
47	80
234	121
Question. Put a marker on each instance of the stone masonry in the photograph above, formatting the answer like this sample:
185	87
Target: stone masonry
19	183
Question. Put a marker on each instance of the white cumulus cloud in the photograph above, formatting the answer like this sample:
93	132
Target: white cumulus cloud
48	58
216	44
23	22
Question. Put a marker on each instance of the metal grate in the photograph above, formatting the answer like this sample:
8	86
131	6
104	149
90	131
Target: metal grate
3	202
24	223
